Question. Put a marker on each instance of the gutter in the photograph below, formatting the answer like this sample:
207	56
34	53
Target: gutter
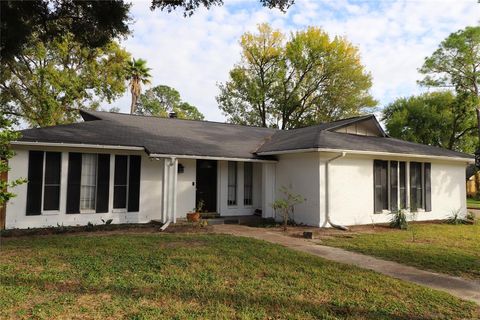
160	155
75	145
327	192
377	153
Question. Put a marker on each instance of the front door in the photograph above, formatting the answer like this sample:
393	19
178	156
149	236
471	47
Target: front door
207	185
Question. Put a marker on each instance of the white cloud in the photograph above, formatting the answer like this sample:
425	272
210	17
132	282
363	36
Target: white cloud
193	54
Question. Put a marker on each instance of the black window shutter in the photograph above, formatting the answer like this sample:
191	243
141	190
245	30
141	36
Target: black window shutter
34	187
53	168
428	187
380	185
134	184
103	183
393	185
73	187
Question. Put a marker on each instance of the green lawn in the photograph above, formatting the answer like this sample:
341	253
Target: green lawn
472	203
452	249
205	276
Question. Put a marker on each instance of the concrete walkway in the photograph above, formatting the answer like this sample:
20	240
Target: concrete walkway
461	288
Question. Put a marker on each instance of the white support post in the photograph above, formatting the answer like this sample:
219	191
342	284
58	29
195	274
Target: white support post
169	212
268	188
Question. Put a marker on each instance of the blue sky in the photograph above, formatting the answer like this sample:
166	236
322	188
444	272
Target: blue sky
194	54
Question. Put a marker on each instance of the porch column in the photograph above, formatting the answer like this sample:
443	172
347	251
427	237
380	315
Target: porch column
169	195
268	189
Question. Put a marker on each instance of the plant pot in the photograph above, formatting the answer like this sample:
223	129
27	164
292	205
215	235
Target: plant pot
193	216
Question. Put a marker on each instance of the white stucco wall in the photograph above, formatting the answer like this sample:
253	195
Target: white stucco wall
351	189
300	173
150	194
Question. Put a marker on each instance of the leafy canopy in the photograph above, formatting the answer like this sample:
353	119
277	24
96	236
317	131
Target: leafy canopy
190	6
439	119
288	83
92	24
49	81
161	100
456	63
7	134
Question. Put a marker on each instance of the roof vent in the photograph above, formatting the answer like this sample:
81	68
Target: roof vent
172	115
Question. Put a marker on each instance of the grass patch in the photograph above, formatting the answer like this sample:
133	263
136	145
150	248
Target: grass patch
206	276
472	203
451	249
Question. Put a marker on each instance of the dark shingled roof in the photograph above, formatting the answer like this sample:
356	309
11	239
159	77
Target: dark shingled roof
204	138
157	135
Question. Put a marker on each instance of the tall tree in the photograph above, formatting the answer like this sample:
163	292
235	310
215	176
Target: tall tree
92	23
161	100
439	118
48	82
456	65
138	73
7	134
306	79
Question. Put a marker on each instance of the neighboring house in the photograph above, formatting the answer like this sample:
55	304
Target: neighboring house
136	169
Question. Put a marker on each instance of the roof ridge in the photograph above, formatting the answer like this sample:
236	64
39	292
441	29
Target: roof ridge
335	121
177	119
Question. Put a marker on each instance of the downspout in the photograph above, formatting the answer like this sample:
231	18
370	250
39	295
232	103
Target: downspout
327	192
169	201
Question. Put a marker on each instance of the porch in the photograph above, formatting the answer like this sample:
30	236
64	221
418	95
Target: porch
229	190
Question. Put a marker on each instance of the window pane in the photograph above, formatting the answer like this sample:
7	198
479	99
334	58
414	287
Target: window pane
393	185
403	188
248	182
232	183
380	185
88	182
119	197
51	197
416	186
120	182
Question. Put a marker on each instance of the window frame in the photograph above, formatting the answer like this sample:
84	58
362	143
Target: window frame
44	166
127	185
89	211
403	185
247	202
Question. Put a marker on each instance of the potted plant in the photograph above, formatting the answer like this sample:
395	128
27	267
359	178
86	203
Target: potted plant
194	216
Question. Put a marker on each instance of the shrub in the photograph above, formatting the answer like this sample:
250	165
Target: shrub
399	219
457	217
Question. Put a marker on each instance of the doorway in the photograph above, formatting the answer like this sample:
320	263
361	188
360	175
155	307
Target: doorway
206	185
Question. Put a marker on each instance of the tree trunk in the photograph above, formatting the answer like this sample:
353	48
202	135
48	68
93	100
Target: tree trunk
134	104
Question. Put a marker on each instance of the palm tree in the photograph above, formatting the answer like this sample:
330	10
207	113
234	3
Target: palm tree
138	73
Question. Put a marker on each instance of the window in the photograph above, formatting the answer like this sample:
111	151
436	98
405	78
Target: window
88	182
420	186
120	183
51	188
390	189
232	183
44	175
381	185
247	183
126	183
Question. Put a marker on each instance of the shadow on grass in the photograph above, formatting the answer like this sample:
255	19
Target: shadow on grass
270	304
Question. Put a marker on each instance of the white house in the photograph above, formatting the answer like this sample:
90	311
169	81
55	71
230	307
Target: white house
136	169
